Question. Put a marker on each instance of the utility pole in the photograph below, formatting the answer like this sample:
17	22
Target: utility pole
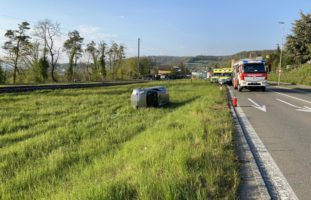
138	61
281	54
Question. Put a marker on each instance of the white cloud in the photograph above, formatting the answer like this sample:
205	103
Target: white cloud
94	33
5	24
59	42
2	39
9	23
89	33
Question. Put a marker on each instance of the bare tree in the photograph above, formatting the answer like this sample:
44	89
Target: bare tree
120	55
102	58
32	54
94	53
2	74
117	57
48	31
73	47
17	45
110	53
87	70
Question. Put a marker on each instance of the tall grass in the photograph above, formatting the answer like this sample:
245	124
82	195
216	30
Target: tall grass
301	75
90	144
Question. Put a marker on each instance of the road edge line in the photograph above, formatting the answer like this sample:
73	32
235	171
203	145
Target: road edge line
274	180
249	169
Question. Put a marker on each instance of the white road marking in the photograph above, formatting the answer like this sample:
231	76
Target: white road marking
305	109
293	97
302	109
275	180
256	105
288	103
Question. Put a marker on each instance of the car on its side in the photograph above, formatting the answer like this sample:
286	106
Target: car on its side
149	97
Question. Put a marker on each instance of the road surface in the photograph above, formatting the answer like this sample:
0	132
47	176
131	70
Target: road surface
282	119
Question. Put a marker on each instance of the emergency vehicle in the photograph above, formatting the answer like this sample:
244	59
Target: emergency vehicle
222	75
226	76
216	74
250	74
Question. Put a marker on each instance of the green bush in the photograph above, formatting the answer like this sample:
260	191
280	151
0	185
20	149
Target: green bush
2	76
300	75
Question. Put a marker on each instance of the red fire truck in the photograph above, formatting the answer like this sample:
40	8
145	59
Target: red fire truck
250	74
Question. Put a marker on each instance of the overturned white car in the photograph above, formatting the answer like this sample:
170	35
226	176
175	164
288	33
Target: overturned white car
149	97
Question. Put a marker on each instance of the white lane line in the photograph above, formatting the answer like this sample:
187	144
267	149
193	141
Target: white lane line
288	103
302	109
293	97
257	106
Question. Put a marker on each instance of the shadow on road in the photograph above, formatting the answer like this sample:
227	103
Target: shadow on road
291	90
305	90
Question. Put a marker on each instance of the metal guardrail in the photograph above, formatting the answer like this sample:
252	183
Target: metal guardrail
64	86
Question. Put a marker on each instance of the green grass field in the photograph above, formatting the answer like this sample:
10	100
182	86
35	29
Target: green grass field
300	76
90	144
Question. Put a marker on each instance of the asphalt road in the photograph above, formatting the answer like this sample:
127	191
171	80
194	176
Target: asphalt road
282	119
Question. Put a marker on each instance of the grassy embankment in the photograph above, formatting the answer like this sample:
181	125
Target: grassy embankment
301	75
90	144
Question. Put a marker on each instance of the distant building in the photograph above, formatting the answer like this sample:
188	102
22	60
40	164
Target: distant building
165	70
200	75
168	71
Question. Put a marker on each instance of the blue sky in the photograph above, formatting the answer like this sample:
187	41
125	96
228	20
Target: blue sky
166	27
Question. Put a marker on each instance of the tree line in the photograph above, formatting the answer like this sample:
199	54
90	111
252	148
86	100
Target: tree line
35	57
297	47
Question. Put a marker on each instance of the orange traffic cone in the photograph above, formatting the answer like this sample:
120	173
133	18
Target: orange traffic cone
234	101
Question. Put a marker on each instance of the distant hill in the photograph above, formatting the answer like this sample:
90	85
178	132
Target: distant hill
246	54
168	60
202	62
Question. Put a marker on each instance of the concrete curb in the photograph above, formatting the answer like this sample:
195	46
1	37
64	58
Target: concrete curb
274	181
253	186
